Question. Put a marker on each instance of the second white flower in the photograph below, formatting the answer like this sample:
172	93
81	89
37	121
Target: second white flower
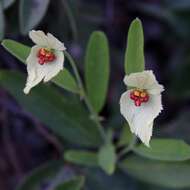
141	104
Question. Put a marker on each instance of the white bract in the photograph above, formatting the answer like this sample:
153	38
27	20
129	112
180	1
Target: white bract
141	104
46	59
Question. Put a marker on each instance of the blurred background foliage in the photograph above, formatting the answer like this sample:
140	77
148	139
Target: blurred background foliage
26	144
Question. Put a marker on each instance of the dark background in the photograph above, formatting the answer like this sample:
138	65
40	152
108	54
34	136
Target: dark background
25	143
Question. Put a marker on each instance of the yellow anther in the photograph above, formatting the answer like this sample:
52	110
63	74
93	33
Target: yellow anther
143	94
48	54
136	93
42	51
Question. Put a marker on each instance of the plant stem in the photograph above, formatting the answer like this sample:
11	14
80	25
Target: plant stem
76	73
94	115
129	147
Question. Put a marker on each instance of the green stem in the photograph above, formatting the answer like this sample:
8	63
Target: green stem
73	65
129	147
85	97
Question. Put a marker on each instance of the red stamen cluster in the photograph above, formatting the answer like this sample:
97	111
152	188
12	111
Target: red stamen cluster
45	56
139	97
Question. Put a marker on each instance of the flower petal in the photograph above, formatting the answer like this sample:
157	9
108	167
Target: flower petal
53	68
39	38
145	133
140	119
54	43
144	80
37	72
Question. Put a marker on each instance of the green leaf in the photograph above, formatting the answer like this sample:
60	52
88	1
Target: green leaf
166	174
7	3
64	79
126	136
134	56
81	157
97	69
40	175
107	158
165	149
2	21
65	116
73	184
17	49
31	12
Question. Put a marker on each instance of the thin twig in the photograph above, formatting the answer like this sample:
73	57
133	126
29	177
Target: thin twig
48	136
9	146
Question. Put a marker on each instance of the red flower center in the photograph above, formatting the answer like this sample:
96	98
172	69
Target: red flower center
139	97
45	56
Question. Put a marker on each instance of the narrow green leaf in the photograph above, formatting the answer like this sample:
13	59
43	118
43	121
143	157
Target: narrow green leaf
2	21
64	79
165	149
73	184
107	158
134	56
126	136
17	49
97	69
81	157
166	174
40	175
7	3
31	12
65	116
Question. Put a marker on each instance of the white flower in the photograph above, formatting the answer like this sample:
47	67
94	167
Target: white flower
141	104
46	59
